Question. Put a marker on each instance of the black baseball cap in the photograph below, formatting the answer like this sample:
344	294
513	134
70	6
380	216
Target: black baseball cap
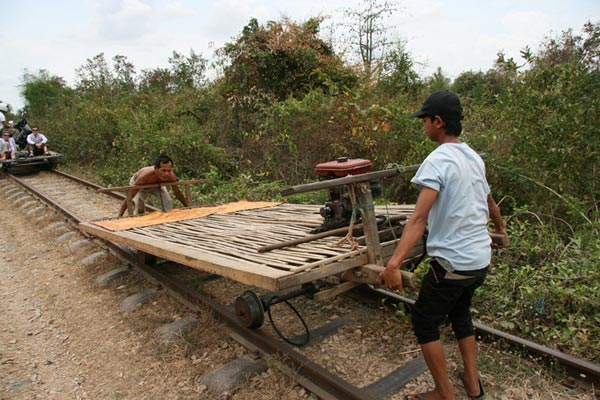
443	103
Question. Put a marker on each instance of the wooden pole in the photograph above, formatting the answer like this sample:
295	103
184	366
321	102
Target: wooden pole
188	195
347	180
129	205
152	185
350	179
368	274
364	202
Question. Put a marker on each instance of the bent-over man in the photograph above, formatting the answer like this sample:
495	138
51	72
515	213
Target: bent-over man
160	172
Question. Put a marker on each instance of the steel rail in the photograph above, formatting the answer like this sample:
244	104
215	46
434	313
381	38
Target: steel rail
82	181
72	217
92	185
318	380
583	369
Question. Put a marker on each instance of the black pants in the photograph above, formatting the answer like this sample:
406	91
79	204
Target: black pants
444	296
37	151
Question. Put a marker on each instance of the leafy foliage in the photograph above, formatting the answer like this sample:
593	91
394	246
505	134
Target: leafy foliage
398	73
545	135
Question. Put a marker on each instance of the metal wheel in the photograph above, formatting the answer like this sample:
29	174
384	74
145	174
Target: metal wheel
249	308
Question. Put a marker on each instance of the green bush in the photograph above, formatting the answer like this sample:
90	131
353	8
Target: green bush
545	287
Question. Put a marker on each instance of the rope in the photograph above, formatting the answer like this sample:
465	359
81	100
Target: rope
389	221
349	238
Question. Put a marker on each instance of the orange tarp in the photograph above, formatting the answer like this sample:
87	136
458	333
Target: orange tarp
158	217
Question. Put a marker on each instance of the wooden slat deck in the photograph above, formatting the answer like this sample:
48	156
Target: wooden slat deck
227	245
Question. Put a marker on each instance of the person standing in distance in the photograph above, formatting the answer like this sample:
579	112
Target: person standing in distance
6	126
456	204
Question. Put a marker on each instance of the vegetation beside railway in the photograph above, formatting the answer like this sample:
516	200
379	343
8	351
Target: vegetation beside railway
284	101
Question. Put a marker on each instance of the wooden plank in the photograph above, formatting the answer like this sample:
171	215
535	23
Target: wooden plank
335	291
245	249
313	237
315	274
364	201
255	275
246	235
339	257
176	215
335	268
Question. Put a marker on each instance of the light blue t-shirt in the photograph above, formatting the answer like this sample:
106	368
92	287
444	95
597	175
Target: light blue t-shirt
458	218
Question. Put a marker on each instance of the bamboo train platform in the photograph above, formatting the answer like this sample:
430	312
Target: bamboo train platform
225	241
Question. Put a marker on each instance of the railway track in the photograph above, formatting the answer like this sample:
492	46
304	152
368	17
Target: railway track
330	377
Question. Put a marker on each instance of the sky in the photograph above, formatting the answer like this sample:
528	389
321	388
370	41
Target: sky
457	35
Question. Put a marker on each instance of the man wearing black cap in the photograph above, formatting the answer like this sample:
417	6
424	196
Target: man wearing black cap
456	204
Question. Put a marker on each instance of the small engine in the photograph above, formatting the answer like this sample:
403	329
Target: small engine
337	211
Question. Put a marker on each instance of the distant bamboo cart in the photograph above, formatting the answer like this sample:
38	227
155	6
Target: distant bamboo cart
24	164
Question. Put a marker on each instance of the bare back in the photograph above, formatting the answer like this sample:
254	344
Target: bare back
150	174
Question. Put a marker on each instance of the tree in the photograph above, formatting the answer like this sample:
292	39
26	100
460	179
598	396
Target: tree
546	121
187	72
184	73
282	59
438	81
368	33
470	83
44	93
157	80
582	49
124	76
398	74
94	74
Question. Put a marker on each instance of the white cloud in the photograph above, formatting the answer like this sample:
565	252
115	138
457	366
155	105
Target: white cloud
125	19
174	9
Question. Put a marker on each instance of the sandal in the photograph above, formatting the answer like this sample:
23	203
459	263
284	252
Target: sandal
481	392
418	396
481	395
